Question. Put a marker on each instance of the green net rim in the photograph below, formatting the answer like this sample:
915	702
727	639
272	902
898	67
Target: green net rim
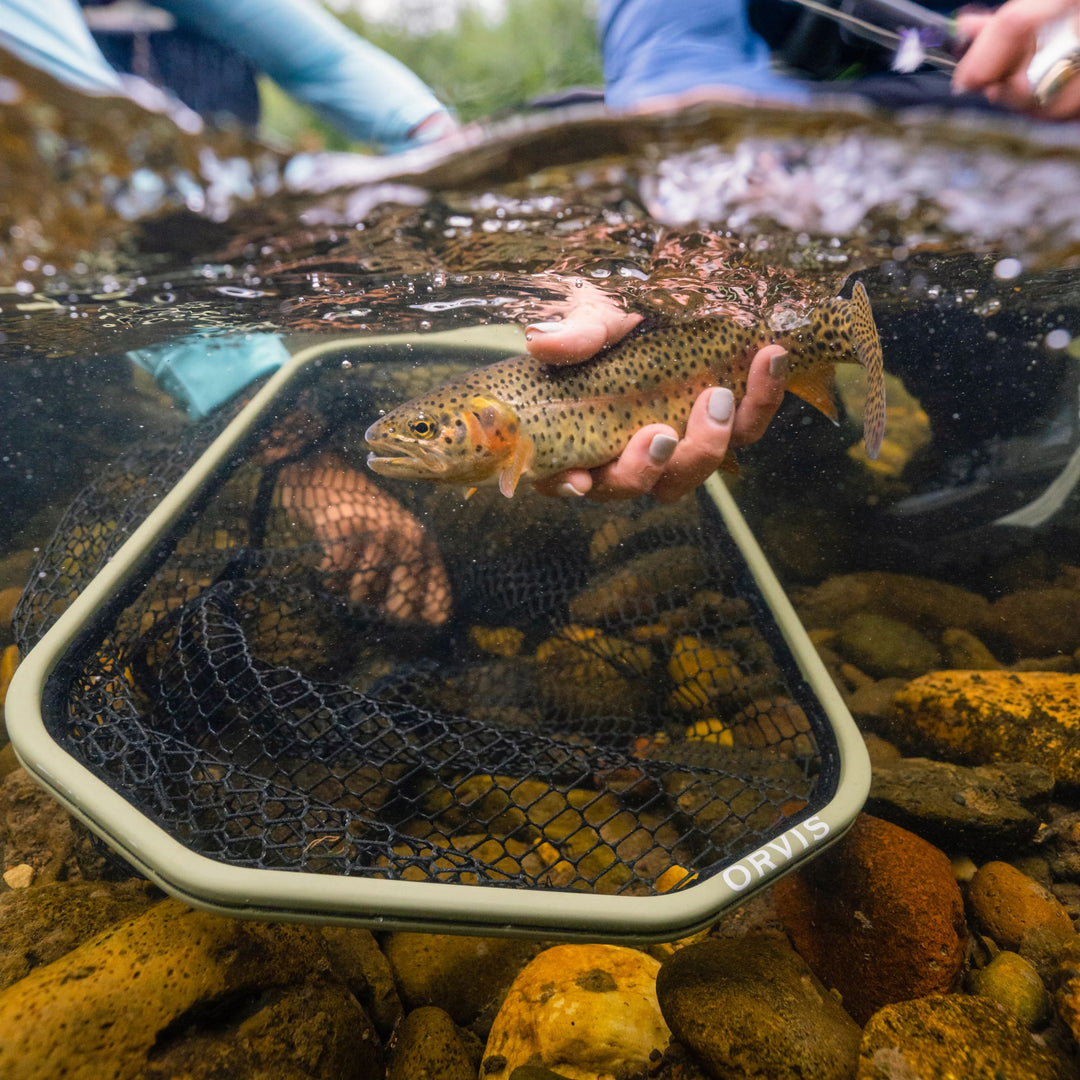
393	904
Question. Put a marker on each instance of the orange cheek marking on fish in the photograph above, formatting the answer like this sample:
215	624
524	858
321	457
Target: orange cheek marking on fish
483	435
495	426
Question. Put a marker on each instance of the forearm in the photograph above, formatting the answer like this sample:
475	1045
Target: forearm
359	88
52	35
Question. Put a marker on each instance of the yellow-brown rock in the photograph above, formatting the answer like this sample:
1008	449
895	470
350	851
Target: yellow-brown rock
9	661
586	1012
642	587
926	604
429	1046
98	1010
954	1037
1013	983
40	925
497	640
963	649
702	674
9	597
981	717
1067	995
1009	904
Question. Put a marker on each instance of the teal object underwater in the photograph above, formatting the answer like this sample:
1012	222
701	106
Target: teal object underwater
200	372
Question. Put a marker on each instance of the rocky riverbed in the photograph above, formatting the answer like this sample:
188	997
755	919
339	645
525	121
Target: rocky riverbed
937	939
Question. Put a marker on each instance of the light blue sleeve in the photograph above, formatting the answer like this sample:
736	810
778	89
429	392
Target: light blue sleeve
202	371
360	89
52	35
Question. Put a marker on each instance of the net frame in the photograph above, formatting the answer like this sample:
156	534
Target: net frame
38	690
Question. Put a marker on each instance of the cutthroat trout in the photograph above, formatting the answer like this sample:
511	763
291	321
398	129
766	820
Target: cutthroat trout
522	420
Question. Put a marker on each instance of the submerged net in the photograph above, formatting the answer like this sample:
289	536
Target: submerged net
319	673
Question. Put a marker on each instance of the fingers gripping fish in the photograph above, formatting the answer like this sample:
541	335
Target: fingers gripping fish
522	420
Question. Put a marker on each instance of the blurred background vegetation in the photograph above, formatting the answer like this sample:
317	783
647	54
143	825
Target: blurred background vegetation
484	58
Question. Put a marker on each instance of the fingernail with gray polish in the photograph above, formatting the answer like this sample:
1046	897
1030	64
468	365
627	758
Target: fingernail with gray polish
778	365
543	327
567	490
661	448
721	404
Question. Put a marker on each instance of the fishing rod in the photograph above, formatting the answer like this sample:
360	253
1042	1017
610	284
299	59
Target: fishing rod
919	36
916	34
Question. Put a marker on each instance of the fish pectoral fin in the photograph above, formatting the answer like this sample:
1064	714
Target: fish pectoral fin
815	386
520	462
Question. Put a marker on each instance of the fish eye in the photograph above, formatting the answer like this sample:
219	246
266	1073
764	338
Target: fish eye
421	428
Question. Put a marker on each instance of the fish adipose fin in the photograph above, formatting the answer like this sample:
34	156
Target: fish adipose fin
864	336
520	462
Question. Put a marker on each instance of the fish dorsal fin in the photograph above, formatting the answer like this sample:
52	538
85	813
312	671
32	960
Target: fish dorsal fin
519	463
815	386
867	345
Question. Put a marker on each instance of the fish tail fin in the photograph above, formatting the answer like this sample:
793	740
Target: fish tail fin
867	346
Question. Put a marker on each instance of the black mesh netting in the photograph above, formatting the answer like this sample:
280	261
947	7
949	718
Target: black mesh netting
322	674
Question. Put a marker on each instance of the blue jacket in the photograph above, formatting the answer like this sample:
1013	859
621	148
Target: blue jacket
360	89
658	47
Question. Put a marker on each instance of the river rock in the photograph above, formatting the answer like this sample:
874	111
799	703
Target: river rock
314	1031
1009	905
956	806
1066	983
886	647
428	1045
980	717
39	925
874	701
38	831
643	586
1059	842
949	1036
880	751
928	605
586	1012
9	597
878	917
186	991
464	976
1038	622
1014	984
10	659
585	673
750	1007
360	963
962	649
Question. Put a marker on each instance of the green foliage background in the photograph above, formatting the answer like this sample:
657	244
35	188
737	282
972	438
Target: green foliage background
479	68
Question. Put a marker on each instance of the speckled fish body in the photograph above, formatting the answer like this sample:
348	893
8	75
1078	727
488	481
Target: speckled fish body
520	419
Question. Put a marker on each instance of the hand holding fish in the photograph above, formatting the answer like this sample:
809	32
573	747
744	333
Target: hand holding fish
655	460
1004	43
521	420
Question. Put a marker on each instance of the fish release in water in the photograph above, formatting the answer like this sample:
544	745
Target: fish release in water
519	419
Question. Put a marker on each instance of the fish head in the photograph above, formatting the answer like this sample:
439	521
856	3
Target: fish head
454	438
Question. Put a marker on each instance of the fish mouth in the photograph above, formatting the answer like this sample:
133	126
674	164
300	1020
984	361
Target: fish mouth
411	462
